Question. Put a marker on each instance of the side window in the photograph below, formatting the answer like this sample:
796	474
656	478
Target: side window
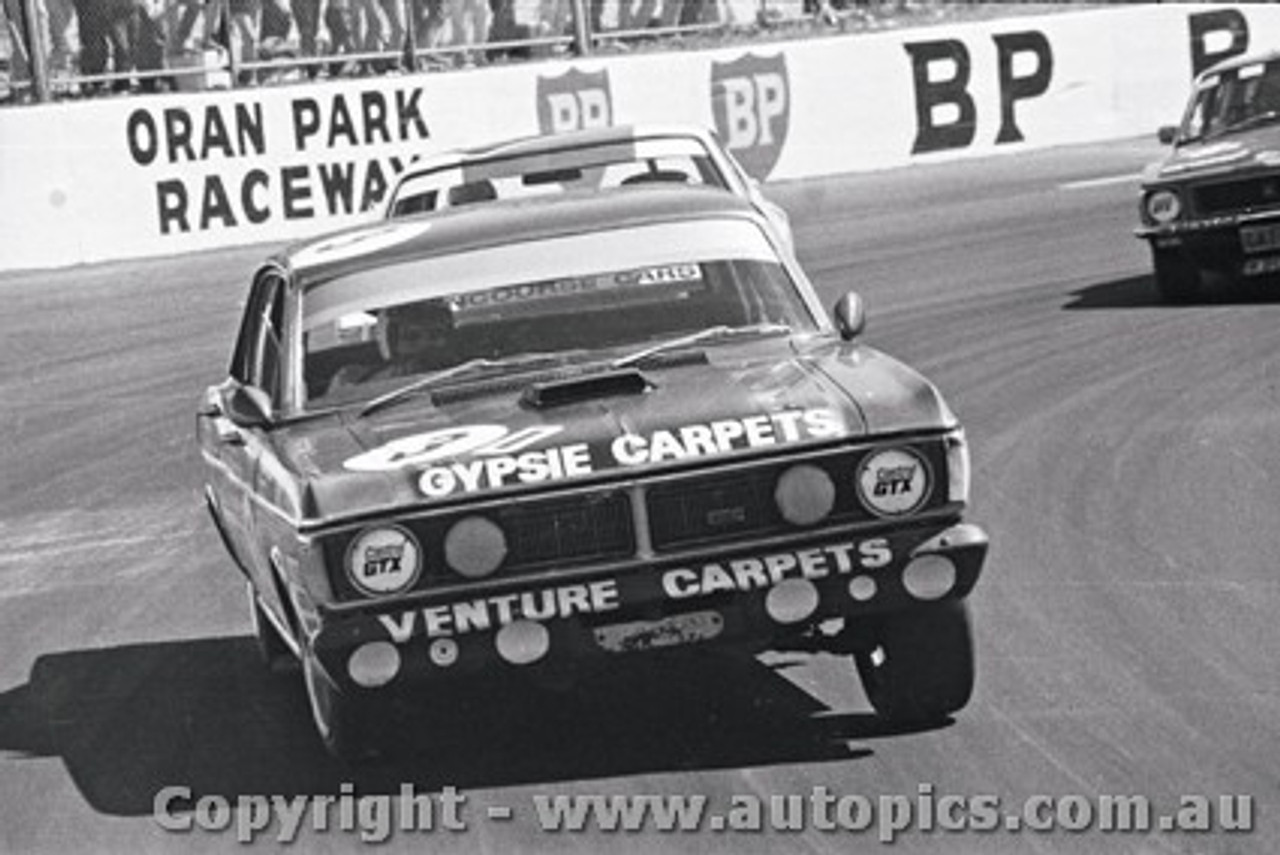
268	373
415	204
259	350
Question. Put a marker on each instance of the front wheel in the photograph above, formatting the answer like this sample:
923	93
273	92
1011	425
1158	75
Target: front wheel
1177	278
342	722
272	649
922	668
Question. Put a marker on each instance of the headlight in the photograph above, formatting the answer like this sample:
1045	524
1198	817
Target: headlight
958	468
894	482
804	495
384	560
1164	206
475	547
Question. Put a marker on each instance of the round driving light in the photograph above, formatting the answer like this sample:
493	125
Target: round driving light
385	560
374	664
929	577
1164	206
862	588
475	547
805	495
894	482
522	642
443	652
791	600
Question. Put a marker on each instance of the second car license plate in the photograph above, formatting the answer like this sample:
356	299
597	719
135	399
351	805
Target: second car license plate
666	632
1261	266
1260	238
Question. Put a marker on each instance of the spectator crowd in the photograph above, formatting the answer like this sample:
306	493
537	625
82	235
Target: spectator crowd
91	47
98	46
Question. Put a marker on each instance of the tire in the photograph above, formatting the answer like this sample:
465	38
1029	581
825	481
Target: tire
1178	280
922	670
342	722
274	652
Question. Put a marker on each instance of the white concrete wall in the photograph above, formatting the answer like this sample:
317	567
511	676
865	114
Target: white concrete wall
152	175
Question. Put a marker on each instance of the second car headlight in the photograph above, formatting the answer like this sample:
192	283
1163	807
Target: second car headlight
1163	206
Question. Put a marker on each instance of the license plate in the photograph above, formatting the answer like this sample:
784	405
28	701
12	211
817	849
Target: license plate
1260	238
1259	266
666	632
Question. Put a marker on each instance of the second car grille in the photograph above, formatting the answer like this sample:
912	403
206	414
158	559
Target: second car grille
1232	197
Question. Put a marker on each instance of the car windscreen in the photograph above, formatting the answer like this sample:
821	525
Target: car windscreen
674	160
578	298
1233	100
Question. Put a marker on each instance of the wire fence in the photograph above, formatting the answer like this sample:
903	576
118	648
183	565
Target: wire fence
58	49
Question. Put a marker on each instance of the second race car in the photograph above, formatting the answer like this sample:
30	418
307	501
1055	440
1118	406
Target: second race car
1212	207
596	158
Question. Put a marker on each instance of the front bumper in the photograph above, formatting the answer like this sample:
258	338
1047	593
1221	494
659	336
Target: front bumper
1218	243
749	599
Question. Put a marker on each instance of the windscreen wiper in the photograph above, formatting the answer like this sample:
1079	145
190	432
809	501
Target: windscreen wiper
429	380
1253	121
708	334
424	382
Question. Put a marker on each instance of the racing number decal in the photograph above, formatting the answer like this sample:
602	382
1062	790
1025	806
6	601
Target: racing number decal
423	448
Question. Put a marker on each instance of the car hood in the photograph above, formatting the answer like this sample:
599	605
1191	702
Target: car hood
1258	148
488	440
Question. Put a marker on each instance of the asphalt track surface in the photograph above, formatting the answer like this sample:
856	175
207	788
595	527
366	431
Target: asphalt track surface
1126	467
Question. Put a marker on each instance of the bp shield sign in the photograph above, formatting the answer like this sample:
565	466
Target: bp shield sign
573	101
751	102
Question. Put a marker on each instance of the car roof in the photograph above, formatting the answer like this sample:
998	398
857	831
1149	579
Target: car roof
538	143
545	143
1239	62
501	222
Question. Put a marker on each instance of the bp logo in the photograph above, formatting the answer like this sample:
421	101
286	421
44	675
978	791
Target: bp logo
751	101
573	101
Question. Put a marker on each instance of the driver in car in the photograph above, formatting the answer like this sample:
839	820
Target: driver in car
413	338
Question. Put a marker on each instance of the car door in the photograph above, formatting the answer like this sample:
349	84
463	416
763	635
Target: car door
255	366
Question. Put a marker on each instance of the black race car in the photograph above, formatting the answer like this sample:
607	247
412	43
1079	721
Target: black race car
533	436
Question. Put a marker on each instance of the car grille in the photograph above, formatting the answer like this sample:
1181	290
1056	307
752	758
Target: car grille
590	528
701	511
1231	197
685	511
697	510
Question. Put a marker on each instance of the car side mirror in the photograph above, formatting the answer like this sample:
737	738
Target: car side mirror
851	315
1167	135
247	406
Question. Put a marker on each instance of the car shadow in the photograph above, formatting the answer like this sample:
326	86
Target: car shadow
204	714
1134	292
1139	292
